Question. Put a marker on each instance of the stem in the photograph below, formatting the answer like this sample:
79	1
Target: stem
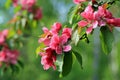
84	36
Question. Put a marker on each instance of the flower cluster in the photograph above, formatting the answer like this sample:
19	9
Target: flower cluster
93	19
30	6
7	56
55	44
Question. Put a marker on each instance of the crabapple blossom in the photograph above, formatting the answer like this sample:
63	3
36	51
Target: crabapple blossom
93	18
37	14
48	58
55	43
3	35
8	56
15	3
26	4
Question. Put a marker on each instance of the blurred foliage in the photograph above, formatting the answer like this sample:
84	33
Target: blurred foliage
96	65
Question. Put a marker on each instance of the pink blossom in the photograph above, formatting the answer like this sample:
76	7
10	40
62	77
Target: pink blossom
89	30
95	24
102	13
58	43
46	37
78	1
26	4
55	44
93	18
56	27
9	56
48	59
37	14
88	13
3	35
67	48
15	3
67	32
82	23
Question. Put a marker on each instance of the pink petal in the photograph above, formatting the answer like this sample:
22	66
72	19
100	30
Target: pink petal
56	27
67	48
95	24
67	31
45	29
46	67
59	50
5	32
47	41
82	23
2	39
88	13
38	14
102	23
89	30
89	9
55	41
64	38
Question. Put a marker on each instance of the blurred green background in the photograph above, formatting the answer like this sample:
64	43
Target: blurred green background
96	65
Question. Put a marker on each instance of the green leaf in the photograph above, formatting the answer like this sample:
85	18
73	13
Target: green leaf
72	13
20	64
107	39
75	37
1	72
40	48
8	3
67	64
11	33
34	23
79	58
18	8
59	62
14	68
23	22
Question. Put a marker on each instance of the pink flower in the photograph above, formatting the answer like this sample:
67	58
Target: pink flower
55	44
92	26
78	1
114	22
88	13
26	4
37	14
9	56
30	2
15	3
46	37
56	27
48	59
59	44
96	18
3	36
67	32
90	19
102	13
